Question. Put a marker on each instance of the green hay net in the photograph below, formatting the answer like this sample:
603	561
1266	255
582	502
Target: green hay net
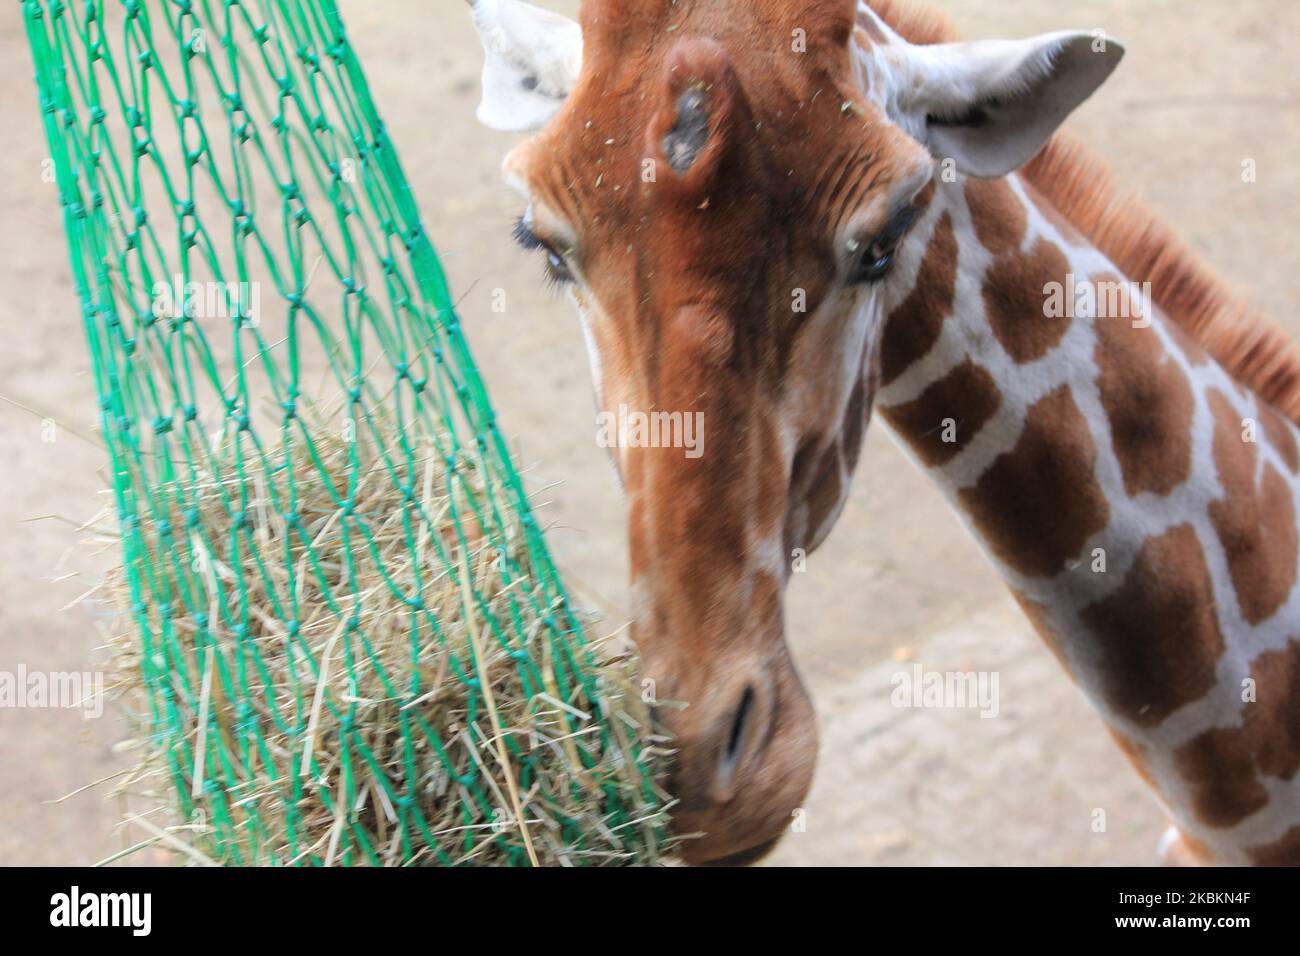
265	313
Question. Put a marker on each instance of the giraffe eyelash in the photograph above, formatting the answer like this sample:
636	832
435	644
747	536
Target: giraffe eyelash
900	223
525	236
557	271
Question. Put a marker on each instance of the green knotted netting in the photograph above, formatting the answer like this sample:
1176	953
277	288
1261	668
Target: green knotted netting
202	145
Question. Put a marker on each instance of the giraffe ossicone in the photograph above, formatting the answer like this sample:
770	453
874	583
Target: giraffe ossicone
848	209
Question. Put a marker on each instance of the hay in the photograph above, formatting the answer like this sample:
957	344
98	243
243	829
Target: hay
375	734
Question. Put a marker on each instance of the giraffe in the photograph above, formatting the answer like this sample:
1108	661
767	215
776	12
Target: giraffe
783	214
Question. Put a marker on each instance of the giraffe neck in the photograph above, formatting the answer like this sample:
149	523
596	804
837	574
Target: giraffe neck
1139	502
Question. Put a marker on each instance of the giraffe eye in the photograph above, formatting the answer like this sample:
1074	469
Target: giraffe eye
873	257
872	263
557	269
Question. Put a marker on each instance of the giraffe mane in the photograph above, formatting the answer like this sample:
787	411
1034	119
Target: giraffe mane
1253	348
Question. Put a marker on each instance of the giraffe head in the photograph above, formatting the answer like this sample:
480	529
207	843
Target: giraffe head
720	186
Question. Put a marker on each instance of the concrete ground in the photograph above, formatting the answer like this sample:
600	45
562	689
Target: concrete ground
1206	85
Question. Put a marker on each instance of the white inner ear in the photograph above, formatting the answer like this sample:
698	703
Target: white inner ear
533	57
992	105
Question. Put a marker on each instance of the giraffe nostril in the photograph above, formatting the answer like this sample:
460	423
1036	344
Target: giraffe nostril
738	725
739	730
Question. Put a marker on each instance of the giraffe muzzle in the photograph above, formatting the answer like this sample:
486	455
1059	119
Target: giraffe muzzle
746	747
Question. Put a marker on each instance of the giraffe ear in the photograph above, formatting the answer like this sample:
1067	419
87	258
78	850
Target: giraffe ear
532	61
991	105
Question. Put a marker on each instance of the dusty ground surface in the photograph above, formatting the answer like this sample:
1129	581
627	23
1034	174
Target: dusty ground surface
1206	84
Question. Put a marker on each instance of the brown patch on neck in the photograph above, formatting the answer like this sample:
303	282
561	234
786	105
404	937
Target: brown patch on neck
1158	634
1285	852
1148	402
1256	524
1038	504
1272	720
1192	350
1220	772
997	214
1015	296
913	327
967	397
